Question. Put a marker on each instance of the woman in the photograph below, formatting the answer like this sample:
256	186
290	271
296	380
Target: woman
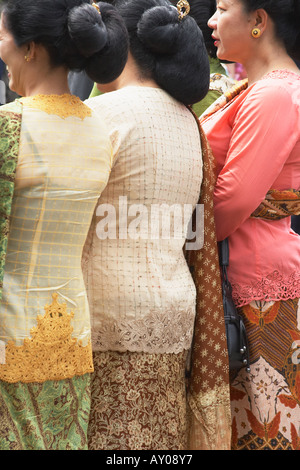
140	290
51	176
201	11
255	139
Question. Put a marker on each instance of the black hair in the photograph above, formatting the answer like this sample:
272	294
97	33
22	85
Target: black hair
286	17
202	11
73	32
169	50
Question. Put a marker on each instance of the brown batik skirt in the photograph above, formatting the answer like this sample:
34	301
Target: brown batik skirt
265	403
138	402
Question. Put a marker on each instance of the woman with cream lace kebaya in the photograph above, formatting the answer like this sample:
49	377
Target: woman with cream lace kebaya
55	161
141	293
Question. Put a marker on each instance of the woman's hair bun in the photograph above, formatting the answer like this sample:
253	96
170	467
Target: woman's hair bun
74	34
157	29
108	55
87	29
295	51
167	49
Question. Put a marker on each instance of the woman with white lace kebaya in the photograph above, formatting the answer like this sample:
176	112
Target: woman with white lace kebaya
141	293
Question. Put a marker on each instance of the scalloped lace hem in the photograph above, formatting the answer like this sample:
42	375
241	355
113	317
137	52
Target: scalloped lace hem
273	287
159	332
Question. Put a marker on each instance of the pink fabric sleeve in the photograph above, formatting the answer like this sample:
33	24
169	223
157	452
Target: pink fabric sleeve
264	133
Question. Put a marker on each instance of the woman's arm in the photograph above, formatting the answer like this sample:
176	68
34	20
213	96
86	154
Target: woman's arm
265	130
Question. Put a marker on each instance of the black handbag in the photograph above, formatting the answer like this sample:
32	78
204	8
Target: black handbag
237	342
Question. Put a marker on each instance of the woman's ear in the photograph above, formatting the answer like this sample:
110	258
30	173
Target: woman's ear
261	19
30	51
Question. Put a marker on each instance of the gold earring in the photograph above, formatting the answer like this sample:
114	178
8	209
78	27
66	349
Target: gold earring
256	32
27	58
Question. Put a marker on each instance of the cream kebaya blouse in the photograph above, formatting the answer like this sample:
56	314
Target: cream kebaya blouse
140	290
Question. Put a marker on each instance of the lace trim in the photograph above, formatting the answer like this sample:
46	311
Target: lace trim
273	287
51	353
281	73
62	105
158	333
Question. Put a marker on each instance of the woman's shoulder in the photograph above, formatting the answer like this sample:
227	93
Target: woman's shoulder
129	94
282	75
279	84
12	107
134	103
276	91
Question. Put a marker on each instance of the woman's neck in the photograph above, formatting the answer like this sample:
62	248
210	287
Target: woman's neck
132	76
259	66
54	82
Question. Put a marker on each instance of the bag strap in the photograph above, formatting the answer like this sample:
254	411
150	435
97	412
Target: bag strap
224	253
224	262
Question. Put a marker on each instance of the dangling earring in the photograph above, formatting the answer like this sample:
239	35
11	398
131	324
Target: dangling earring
256	32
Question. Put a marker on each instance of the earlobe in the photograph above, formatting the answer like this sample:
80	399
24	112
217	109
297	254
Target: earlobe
30	53
260	23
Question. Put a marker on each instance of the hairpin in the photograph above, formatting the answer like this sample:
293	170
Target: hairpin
95	5
183	8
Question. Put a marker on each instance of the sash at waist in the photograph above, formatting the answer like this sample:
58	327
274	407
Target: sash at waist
278	205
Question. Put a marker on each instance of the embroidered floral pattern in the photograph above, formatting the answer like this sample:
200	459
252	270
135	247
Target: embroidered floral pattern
159	332
274	287
281	73
51	353
61	105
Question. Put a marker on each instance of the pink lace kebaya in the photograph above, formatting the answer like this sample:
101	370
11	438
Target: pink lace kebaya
254	152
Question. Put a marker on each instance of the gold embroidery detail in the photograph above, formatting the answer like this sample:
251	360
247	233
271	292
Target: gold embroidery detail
61	105
51	353
209	415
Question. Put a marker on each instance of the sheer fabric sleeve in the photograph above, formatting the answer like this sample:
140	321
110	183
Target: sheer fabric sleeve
102	106
264	132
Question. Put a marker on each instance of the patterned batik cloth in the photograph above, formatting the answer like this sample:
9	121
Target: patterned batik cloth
49	416
10	128
138	402
278	205
265	402
208	383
